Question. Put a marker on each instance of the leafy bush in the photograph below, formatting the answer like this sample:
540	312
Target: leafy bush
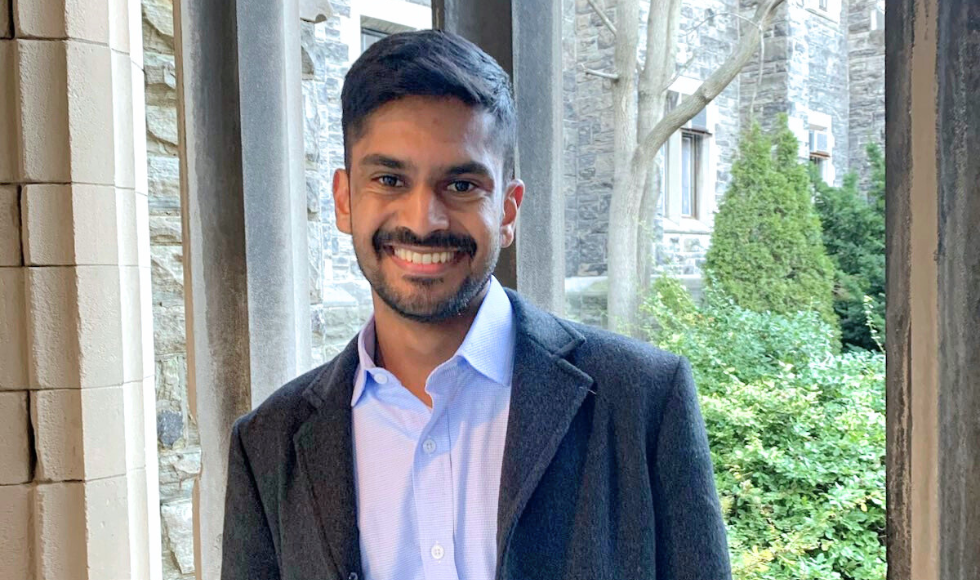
766	249
854	235
797	435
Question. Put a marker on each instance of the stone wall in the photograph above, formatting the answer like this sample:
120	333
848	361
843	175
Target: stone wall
177	438
866	66
827	81
589	127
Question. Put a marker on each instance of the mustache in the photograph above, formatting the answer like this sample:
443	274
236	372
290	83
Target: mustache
407	237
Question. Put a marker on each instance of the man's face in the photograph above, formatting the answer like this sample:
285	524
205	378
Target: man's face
426	203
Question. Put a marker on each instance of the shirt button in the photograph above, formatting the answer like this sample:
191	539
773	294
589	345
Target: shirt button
438	552
381	379
429	446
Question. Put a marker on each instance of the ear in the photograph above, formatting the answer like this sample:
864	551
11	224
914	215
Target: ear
341	200
513	196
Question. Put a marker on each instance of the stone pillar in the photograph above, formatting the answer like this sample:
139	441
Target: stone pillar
933	252
78	472
245	247
525	38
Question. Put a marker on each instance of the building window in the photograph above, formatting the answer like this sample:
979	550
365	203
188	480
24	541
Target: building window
370	36
827	8
690	173
820	152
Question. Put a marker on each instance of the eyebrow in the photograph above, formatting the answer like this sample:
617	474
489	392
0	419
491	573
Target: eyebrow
472	167
385	161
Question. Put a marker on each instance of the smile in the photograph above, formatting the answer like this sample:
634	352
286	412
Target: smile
425	257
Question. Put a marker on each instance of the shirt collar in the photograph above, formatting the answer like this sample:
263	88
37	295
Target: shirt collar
488	346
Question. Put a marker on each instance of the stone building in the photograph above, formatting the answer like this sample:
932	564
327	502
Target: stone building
822	66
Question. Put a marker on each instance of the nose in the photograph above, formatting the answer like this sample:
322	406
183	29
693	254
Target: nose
424	211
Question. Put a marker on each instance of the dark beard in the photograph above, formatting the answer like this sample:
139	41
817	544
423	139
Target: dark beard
420	310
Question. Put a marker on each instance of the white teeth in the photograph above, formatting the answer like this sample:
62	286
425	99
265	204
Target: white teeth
417	258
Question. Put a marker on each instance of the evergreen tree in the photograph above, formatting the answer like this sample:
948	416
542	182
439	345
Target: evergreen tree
854	235
766	251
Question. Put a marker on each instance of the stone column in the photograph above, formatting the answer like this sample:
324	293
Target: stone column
243	204
78	472
933	211
525	38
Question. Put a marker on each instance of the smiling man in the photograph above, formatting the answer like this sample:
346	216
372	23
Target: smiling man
463	433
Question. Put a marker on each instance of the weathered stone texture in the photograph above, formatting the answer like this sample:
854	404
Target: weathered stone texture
866	66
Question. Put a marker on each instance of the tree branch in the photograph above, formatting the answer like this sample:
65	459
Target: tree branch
601	74
680	72
602	15
709	89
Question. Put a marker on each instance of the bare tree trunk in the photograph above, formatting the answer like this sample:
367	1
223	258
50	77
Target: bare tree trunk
630	178
622	274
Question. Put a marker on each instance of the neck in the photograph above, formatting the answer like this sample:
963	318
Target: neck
411	350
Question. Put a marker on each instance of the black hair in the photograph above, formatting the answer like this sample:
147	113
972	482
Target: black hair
428	63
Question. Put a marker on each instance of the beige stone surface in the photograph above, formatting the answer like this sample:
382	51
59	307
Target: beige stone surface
15	444
57	419
13	330
127	223
119	27
9	144
107	527
140	173
5	29
52	328
59	531
139	526
81	19
133	394
123	119
80	433
91	113
132	322
75	327
15	531
10	248
70	225
41	100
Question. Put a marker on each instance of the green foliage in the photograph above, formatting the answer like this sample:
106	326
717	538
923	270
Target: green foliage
854	235
797	435
766	249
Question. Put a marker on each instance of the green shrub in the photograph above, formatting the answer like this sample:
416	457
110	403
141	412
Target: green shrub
797	435
854	235
766	249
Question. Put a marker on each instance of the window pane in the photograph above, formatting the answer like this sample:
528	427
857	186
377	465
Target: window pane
369	37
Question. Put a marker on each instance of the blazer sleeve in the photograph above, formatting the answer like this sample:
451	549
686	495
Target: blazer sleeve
247	549
690	531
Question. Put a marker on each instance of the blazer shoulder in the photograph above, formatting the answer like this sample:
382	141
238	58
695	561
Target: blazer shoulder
623	351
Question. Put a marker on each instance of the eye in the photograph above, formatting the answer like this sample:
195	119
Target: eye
390	181
462	186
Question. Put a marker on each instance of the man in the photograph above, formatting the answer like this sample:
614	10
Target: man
464	433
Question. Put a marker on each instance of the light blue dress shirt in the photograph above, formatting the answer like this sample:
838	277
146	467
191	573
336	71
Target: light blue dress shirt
427	480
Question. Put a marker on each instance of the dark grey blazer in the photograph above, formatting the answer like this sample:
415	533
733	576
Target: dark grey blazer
606	470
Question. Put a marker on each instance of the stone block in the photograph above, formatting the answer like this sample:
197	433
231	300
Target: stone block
74	327
140	163
178	527
66	112
131	298
82	530
79	433
10	246
119	25
5	30
75	224
158	26
123	134
13	330
9	142
57	19
15	531
15	444
139	524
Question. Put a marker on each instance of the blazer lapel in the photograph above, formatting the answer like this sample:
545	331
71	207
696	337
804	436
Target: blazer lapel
324	446
546	394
